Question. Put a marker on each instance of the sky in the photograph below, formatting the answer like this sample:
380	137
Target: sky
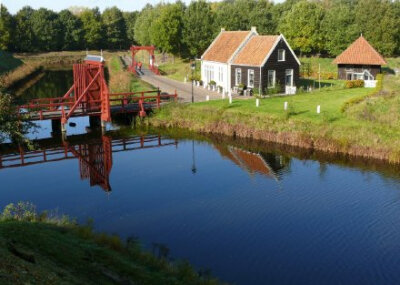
56	5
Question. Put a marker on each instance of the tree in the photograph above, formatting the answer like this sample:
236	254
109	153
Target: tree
130	20
6	28
93	31
244	14
143	25
24	37
72	31
47	30
338	27
262	17
301	26
199	29
114	27
166	30
377	21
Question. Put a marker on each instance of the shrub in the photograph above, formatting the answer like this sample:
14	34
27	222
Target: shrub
212	82
354	83
353	101
22	211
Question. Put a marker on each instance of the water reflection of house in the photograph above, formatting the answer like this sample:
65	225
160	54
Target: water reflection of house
254	163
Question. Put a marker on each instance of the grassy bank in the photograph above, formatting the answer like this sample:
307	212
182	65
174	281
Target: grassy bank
361	130
123	81
40	249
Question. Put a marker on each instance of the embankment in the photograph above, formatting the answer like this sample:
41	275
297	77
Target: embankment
44	249
329	134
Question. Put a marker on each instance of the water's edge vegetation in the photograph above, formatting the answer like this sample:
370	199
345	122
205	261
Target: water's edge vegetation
358	129
49	249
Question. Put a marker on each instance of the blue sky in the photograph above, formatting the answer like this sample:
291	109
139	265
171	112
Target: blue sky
126	5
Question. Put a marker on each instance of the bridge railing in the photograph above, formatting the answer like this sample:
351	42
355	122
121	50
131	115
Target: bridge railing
49	108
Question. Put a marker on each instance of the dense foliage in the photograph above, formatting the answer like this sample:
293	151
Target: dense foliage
324	27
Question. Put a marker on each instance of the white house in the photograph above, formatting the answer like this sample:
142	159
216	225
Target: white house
216	60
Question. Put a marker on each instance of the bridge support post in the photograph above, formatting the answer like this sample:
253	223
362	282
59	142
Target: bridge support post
103	126
55	126
94	122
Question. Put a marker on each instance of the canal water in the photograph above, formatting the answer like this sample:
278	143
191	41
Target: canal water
251	213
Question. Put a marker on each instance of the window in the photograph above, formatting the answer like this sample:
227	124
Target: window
209	73
289	77
281	55
220	74
238	76
271	78
250	78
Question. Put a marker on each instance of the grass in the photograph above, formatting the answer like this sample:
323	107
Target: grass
36	249
123	81
358	131
8	62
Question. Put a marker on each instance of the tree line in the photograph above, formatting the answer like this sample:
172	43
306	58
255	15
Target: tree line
324	27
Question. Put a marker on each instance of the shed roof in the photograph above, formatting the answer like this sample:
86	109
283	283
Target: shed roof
360	52
256	50
225	45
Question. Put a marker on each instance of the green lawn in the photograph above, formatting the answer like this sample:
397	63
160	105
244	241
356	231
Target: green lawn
302	106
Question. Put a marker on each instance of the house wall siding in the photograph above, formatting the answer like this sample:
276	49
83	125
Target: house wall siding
215	66
272	63
374	69
281	66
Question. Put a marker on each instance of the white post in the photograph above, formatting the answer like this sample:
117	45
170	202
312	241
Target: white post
285	106
207	98
257	102
318	109
230	99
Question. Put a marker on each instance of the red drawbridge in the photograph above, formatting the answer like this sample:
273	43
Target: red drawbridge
152	60
94	155
89	96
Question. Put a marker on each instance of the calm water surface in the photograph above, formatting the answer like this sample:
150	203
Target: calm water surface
251	216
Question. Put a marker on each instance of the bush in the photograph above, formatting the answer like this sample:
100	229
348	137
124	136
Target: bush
354	83
212	82
356	100
23	211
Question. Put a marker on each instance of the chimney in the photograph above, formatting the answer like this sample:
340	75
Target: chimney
254	29
222	29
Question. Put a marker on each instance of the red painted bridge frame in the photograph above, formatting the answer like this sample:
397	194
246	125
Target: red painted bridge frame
89	96
150	49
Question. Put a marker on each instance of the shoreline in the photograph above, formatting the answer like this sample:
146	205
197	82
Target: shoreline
292	139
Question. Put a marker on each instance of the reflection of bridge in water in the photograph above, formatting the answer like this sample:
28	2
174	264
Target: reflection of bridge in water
95	155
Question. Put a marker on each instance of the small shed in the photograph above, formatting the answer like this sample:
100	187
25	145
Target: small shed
359	61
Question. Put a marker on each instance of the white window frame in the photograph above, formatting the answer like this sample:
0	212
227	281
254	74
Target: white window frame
283	52
221	74
248	78
273	79
238	71
292	75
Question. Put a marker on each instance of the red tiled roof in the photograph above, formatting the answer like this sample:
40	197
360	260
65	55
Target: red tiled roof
360	52
225	46
256	50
